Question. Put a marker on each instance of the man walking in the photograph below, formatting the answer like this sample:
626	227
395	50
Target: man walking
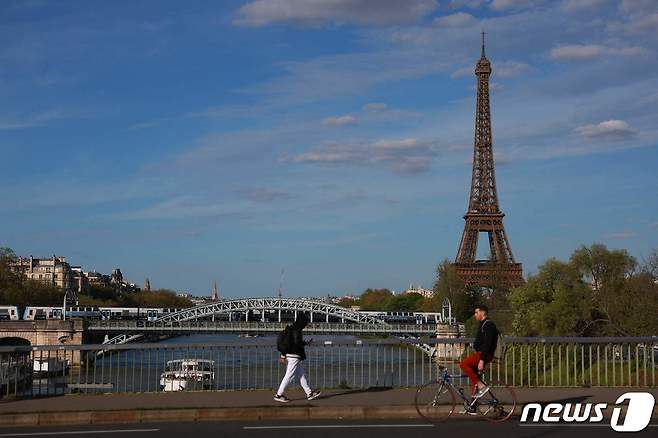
294	355
484	346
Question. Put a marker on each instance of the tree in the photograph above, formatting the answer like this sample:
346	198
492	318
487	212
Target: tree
403	303
102	293
374	299
636	309
552	303
449	285
346	302
608	272
603	267
651	265
155	298
7	253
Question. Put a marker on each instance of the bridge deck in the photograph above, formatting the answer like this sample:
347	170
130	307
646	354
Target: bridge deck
253	327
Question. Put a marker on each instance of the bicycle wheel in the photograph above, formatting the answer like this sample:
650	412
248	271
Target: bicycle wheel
435	401
498	404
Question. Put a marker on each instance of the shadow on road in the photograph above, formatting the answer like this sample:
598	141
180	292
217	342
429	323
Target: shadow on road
356	391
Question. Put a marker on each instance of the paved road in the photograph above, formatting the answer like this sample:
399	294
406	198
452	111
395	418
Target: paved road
320	429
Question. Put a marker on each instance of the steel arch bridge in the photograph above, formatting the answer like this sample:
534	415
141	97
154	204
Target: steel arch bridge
259	304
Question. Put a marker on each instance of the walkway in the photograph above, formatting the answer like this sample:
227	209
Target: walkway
253	405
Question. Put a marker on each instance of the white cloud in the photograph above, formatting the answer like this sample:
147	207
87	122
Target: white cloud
463	71
495	86
32	120
575	52
638	6
610	129
471	4
339	121
458	19
375	106
181	207
374	12
264	194
620	235
333	76
402	156
509	69
579	5
499	5
647	22
502	69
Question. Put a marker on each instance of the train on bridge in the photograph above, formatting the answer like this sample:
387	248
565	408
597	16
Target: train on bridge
32	313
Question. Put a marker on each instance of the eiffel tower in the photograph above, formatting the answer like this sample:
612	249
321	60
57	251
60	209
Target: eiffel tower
484	213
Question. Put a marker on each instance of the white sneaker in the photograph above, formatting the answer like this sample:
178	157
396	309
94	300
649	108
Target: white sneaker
480	392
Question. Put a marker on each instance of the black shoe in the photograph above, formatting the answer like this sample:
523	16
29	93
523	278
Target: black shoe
313	395
281	398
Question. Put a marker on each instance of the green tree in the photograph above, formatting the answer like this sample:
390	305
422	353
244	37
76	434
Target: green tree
554	302
155	298
403	303
607	271
651	265
449	285
374	299
15	290
347	302
102	293
637	307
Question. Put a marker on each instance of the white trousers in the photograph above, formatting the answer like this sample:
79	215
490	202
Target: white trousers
294	368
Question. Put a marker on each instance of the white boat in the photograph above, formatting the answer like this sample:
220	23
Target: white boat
188	375
49	366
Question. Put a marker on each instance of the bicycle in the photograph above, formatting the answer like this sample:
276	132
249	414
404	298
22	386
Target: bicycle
436	401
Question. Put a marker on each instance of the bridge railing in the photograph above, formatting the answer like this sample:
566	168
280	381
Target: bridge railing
200	326
251	363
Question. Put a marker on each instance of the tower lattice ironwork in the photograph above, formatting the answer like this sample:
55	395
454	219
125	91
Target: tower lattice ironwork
484	214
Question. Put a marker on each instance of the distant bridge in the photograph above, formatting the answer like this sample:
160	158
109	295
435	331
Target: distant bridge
187	327
201	319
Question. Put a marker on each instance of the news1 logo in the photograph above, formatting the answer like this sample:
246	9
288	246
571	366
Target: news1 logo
638	412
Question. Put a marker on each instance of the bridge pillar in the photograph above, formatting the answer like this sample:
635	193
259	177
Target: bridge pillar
246	316
449	352
327	317
311	317
48	332
262	315
295	315
279	315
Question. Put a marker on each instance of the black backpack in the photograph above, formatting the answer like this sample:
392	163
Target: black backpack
283	341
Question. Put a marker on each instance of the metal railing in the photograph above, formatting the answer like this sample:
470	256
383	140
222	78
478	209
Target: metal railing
200	326
530	362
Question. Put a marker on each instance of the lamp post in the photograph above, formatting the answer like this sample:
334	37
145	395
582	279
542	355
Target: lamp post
64	306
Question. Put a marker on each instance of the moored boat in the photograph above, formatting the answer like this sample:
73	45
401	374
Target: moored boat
188	375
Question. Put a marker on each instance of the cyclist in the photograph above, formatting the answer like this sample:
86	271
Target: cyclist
484	346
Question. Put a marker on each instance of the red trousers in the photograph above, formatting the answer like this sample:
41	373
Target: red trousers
470	366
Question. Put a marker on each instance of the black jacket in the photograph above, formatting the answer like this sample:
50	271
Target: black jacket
486	339
296	338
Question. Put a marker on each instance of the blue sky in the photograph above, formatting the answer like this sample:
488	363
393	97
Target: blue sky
194	141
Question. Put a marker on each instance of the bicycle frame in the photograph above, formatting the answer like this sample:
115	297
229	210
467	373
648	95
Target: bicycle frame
469	402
